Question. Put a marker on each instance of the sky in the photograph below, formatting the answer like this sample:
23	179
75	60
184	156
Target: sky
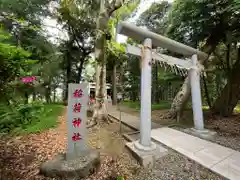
54	30
143	6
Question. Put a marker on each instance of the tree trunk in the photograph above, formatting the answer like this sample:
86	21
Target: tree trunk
134	96
156	85
120	81
184	93
79	78
69	75
114	84
48	94
54	95
64	92
155	97
99	110
34	94
26	97
228	99
230	95
206	92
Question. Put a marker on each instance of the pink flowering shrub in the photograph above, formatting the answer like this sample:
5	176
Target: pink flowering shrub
28	79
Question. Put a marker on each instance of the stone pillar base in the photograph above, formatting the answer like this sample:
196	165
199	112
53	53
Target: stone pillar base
140	147
204	134
72	166
146	158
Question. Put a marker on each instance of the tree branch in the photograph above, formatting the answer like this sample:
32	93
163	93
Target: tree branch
115	5
76	40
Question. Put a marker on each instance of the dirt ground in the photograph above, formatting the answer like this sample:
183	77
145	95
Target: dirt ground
20	157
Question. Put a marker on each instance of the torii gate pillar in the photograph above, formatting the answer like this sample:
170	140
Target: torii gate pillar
198	130
146	82
196	95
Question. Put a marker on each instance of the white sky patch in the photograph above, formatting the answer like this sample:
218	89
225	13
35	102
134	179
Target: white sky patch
54	30
57	32
143	6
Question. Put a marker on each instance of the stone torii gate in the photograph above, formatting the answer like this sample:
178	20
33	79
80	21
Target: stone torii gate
189	66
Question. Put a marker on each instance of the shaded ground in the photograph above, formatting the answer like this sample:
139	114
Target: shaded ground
228	129
20	157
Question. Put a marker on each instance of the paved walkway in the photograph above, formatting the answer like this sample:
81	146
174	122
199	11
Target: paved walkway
219	159
128	120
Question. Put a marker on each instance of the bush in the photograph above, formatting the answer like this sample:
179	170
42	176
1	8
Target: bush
18	115
49	119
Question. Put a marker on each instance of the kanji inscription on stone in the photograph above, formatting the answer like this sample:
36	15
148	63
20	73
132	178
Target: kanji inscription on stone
76	122
76	137
77	116
78	93
77	107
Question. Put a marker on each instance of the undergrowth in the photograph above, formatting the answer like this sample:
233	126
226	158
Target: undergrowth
18	118
136	105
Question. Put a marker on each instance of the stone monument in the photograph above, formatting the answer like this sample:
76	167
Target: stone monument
79	161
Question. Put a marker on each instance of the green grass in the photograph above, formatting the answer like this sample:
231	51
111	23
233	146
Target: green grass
136	105
49	119
165	105
236	109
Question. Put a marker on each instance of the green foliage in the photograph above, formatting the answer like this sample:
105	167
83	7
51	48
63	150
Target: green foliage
25	9
132	76
155	18
12	58
48	119
19	115
114	48
166	76
34	117
26	51
191	22
15	63
136	105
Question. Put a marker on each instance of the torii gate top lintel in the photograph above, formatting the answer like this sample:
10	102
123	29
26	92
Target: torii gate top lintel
137	33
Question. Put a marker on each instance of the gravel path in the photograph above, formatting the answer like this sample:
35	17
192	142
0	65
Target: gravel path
228	131
171	167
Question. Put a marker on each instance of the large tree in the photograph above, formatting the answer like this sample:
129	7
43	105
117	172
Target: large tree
77	19
200	22
105	12
115	51
24	23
